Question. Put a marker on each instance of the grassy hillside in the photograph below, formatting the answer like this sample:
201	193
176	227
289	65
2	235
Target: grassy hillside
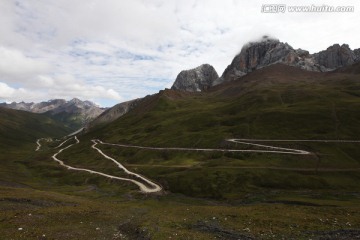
208	195
20	127
278	102
70	120
19	131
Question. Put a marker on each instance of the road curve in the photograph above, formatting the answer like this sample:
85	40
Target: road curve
38	144
63	143
279	150
157	188
143	187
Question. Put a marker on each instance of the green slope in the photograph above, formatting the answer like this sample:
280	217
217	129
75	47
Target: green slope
209	195
278	102
19	131
20	127
70	120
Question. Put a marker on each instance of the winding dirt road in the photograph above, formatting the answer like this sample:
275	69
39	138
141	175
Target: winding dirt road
38	144
62	143
154	187
151	187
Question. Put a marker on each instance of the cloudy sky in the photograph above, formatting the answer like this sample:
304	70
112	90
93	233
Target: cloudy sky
110	51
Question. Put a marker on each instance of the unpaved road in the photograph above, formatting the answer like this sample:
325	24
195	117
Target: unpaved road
252	167
40	139
38	144
241	141
157	188
154	187
274	149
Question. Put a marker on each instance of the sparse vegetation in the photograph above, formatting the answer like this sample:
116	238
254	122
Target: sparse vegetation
208	195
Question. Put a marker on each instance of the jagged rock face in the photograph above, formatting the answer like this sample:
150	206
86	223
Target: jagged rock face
196	80
267	51
262	53
335	56
357	54
255	55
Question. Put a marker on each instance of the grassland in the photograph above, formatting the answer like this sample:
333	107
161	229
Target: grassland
208	195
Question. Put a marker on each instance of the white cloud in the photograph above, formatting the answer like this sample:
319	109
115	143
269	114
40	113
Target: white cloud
118	50
15	64
5	91
8	93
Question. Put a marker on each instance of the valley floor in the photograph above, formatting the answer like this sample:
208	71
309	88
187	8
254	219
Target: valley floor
82	214
46	201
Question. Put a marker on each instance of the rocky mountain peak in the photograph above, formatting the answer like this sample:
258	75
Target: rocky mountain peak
265	40
262	53
335	56
75	100
197	79
268	51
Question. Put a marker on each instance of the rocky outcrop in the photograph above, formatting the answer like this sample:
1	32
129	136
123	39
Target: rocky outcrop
268	51
262	53
334	57
357	54
196	80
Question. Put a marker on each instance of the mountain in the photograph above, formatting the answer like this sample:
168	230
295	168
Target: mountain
275	102
267	51
207	194
74	113
193	80
262	102
335	56
113	113
357	54
21	127
197	79
254	55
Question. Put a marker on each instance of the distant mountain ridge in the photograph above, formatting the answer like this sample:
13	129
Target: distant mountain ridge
74	113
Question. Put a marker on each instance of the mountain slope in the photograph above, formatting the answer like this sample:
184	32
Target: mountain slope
20	127
275	102
114	113
272	102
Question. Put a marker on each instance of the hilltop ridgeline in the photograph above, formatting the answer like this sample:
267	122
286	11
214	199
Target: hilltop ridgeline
262	53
